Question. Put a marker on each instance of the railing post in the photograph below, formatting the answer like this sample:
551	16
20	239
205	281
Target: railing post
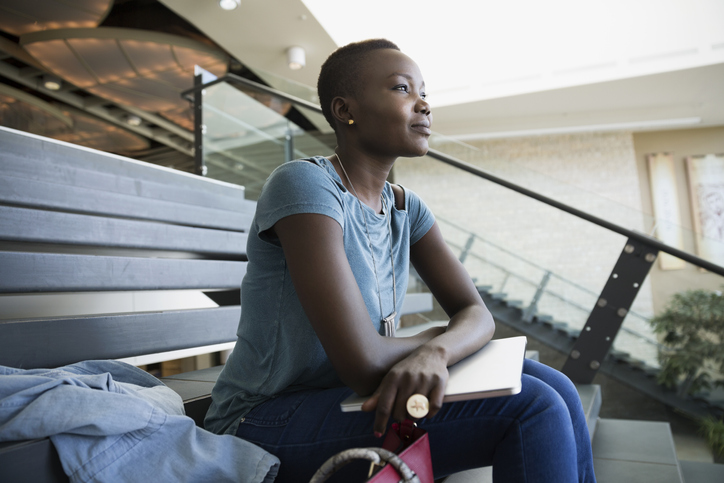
199	166
532	309
613	304
467	247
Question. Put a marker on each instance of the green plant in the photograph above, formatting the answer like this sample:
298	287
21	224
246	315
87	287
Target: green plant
713	431
693	328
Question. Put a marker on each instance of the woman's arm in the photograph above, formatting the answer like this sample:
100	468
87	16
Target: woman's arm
364	360
471	326
314	250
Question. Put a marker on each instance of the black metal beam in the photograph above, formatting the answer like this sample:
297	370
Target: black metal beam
607	316
198	108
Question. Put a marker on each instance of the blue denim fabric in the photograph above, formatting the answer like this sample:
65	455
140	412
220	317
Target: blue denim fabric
110	421
539	435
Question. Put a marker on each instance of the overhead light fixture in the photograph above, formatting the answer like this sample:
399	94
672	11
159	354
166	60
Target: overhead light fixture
229	4
133	120
52	82
296	57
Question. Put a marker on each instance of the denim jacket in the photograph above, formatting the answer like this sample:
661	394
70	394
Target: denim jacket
110	421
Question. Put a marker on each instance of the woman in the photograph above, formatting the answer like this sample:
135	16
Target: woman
329	253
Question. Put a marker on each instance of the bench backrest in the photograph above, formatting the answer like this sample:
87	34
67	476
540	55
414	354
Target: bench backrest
76	220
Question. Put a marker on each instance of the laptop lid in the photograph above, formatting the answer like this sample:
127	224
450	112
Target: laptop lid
495	370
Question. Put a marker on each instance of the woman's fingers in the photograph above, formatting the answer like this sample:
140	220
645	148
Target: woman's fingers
385	403
404	391
435	397
371	403
413	375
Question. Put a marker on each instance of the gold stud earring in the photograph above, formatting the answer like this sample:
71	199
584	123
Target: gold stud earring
350	122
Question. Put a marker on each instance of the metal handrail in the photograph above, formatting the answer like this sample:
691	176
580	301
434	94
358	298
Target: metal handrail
528	262
556	295
433	153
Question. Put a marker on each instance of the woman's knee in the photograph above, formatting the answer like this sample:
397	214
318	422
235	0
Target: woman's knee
553	378
539	399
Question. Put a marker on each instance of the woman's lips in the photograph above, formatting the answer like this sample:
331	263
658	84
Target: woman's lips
421	128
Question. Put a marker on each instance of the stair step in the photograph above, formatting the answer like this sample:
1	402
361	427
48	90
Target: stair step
697	472
499	295
514	303
591	400
634	452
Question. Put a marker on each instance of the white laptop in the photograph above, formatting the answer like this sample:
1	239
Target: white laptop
495	370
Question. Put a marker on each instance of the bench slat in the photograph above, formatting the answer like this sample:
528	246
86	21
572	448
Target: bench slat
38	194
98	179
30	225
51	272
31	460
34	343
37	148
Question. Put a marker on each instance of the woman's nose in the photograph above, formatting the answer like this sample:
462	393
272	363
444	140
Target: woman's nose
423	106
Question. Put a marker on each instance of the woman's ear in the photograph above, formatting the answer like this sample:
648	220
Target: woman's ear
340	111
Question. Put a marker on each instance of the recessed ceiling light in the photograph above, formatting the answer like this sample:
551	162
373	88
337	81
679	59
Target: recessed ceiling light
133	120
229	4
52	82
296	57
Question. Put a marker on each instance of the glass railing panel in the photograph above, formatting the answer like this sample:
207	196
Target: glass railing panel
511	244
301	91
246	136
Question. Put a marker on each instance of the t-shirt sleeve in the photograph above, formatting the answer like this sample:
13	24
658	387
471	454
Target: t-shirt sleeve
420	216
298	187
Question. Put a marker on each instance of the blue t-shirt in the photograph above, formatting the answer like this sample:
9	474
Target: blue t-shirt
277	349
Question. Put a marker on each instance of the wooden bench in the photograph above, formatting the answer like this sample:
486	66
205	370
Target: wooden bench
89	234
104	257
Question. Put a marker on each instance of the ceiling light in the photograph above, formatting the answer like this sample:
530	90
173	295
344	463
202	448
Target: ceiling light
296	57
229	4
52	82
133	120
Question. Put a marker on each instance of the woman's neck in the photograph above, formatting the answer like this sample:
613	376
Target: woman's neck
367	175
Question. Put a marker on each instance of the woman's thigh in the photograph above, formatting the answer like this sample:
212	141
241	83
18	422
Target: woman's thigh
305	428
527	436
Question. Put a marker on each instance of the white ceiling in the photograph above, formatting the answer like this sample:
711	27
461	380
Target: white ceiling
688	94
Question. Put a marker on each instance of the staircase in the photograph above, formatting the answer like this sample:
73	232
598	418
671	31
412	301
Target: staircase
623	450
618	365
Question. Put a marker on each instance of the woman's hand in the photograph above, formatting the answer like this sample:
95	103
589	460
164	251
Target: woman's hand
422	372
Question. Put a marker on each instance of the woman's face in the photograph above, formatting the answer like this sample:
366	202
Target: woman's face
390	113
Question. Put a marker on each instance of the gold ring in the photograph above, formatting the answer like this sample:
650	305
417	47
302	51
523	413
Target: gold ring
418	406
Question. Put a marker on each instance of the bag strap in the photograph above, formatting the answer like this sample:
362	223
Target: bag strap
376	455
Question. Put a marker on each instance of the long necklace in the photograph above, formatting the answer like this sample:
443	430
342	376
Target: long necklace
388	323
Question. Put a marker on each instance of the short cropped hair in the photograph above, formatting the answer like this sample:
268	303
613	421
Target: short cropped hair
339	75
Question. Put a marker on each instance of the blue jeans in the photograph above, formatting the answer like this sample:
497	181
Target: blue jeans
538	435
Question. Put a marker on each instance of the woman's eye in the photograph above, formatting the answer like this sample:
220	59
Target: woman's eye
423	96
401	87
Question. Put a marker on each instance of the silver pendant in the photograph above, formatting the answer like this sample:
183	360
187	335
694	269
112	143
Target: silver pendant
388	324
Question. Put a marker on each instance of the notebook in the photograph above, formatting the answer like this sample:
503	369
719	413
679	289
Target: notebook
495	370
